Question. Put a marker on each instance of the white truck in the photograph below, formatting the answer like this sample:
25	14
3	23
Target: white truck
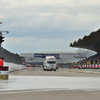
50	63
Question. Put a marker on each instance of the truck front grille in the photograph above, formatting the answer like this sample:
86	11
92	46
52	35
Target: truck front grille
52	65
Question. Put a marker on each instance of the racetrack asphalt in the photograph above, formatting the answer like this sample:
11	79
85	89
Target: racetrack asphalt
71	85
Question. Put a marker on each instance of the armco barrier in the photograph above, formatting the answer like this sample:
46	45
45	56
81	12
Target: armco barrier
14	67
4	71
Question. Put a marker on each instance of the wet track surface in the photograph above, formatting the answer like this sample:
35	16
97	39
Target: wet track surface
36	84
50	83
39	80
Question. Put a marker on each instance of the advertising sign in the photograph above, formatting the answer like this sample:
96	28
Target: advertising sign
44	55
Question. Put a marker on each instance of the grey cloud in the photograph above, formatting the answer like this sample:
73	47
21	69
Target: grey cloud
60	19
35	44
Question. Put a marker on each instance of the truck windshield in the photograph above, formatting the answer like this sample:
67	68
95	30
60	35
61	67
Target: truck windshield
51	62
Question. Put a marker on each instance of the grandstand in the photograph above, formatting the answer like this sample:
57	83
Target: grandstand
61	56
91	42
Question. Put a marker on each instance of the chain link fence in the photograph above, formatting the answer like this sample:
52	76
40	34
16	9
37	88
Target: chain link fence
10	57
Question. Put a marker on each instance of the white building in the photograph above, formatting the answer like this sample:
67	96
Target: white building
36	58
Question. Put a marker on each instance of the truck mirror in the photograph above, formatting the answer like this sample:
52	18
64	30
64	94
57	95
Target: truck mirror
43	56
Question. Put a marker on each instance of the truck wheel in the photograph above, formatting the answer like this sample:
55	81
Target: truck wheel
44	69
54	69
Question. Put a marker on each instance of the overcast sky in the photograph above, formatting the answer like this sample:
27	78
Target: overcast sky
47	25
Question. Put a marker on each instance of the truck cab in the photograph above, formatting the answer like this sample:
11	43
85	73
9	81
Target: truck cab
50	63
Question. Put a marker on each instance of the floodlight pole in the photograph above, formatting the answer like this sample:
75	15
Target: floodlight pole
5	31
2	34
1	40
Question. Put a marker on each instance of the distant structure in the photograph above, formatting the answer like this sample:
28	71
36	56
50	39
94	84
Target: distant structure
61	56
91	42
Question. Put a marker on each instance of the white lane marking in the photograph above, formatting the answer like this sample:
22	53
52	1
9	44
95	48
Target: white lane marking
42	90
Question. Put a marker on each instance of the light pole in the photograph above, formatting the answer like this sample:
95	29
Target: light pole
1	40
1	37
4	31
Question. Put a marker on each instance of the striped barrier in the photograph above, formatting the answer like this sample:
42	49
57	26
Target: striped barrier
91	66
4	72
96	66
85	66
99	66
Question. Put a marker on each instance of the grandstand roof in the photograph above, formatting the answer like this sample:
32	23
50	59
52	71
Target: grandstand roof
91	42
